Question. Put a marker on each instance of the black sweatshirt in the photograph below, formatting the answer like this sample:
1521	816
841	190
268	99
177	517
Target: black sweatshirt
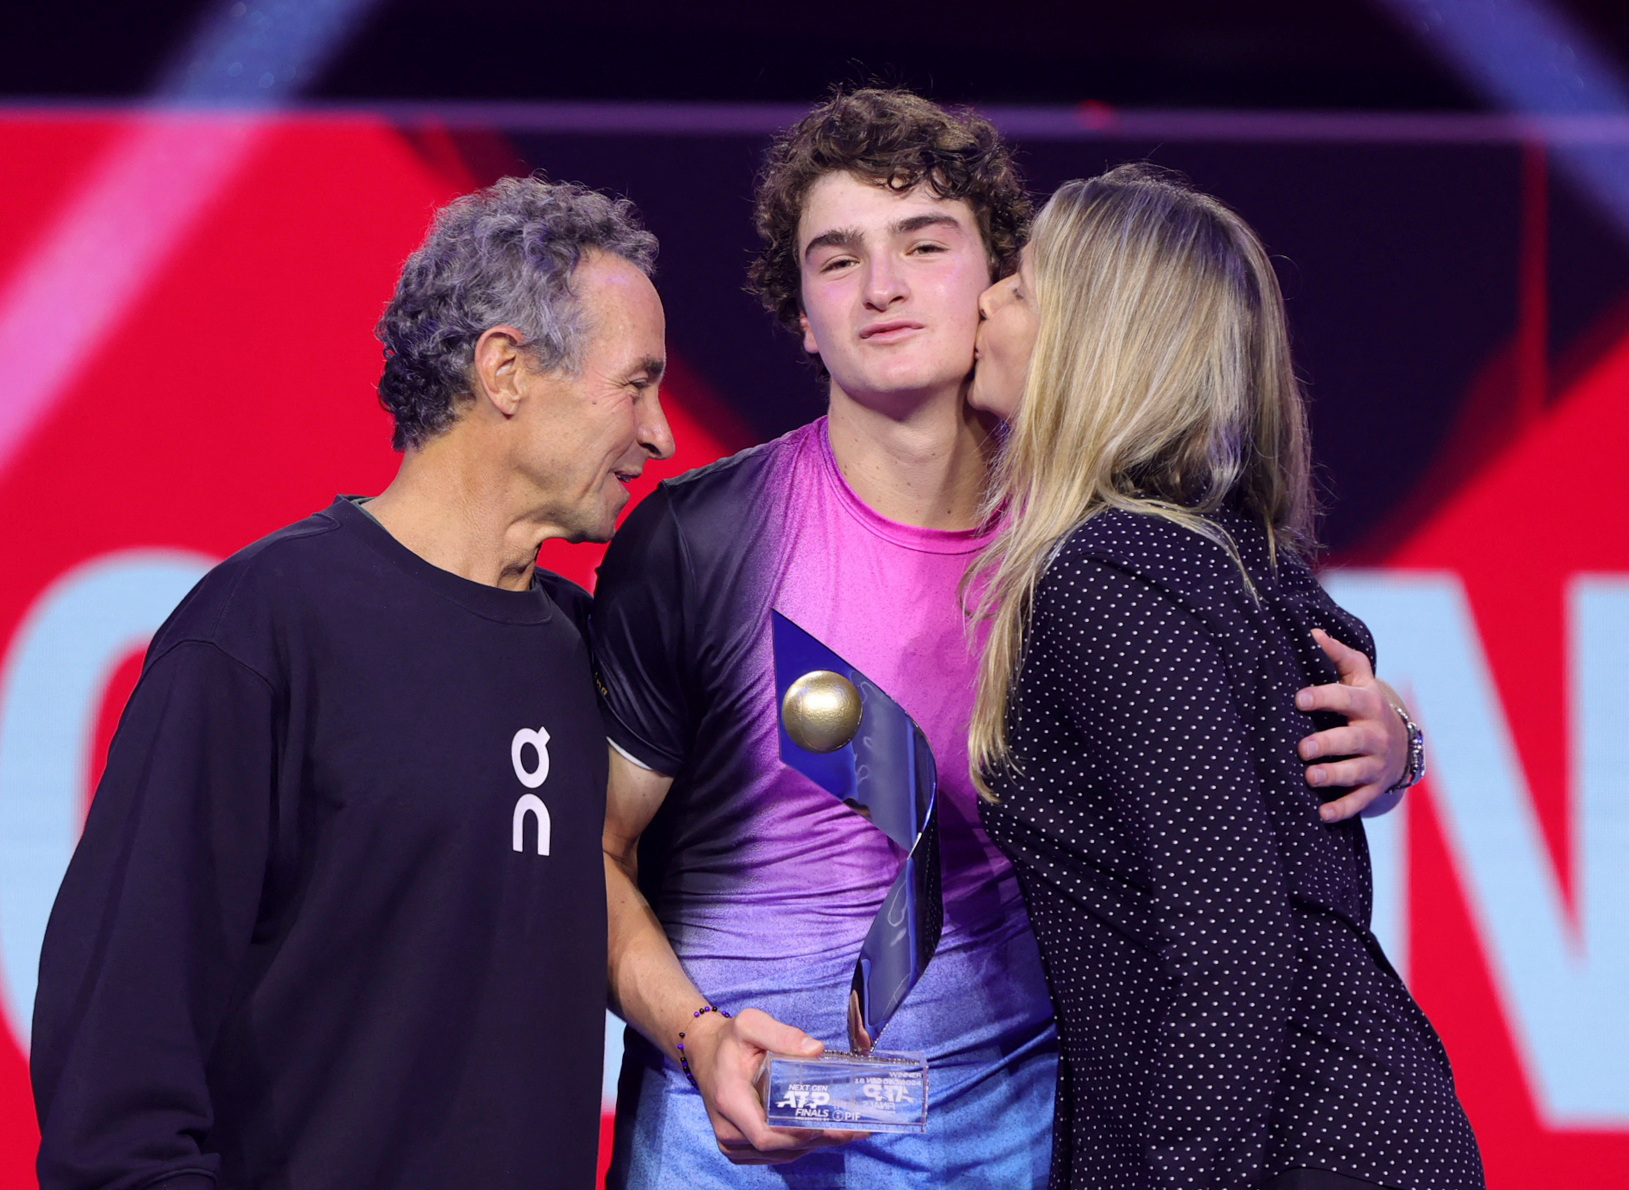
308	938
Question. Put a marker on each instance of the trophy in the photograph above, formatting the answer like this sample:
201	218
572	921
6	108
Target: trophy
851	739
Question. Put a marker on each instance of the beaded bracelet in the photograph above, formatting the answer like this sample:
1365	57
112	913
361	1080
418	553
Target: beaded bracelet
684	1062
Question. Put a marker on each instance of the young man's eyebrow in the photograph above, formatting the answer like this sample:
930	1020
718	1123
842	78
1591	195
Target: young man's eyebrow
841	237
918	222
850	237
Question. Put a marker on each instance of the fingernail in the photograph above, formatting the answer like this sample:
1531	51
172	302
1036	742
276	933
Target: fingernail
1309	750
1304	701
1326	814
1315	776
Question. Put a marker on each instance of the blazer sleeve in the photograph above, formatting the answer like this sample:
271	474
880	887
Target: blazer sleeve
150	929
1169	748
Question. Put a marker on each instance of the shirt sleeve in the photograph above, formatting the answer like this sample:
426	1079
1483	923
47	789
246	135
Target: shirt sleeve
638	637
151	926
1147	685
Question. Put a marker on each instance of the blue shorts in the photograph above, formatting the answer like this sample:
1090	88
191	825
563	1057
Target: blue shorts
980	1013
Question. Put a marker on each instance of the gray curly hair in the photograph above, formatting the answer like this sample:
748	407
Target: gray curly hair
503	256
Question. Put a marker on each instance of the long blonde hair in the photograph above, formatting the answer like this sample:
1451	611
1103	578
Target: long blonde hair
1161	383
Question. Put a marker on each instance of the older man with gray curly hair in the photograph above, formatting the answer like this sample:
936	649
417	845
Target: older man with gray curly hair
338	918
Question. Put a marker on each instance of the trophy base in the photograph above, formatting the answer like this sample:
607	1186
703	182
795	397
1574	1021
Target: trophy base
873	1093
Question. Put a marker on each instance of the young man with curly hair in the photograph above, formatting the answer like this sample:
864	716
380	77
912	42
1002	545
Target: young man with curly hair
883	218
736	885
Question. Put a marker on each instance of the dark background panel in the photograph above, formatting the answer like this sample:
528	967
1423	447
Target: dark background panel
1345	54
695	193
1400	264
1398	291
1588	258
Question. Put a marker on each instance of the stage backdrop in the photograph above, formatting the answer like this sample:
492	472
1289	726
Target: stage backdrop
186	364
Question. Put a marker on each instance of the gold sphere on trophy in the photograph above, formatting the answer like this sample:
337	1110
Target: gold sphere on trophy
821	711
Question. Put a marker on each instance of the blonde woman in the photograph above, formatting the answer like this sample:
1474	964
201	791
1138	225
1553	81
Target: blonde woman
1227	1017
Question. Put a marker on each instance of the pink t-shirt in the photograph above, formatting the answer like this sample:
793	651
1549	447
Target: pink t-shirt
749	863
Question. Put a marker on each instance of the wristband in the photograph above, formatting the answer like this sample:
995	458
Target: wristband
1414	770
684	1062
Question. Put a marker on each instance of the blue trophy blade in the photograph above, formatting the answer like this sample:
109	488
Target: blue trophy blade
887	773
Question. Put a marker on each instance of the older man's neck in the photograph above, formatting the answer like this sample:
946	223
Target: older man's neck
447	505
919	461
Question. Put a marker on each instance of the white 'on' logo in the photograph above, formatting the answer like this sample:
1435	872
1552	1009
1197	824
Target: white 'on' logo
530	803
539	740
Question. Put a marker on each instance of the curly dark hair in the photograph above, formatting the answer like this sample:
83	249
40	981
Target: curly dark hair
505	254
893	138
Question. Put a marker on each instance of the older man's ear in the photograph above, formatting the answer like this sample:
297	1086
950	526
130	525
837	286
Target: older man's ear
498	367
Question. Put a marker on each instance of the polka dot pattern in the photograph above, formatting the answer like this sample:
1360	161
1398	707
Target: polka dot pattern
1225	1012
